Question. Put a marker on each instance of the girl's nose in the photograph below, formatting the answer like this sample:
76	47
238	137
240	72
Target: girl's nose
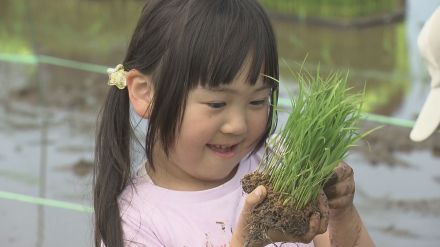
236	124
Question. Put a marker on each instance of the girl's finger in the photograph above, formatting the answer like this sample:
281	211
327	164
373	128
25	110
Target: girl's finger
314	228
346	187
252	200
332	180
343	171
341	202
340	173
318	222
325	212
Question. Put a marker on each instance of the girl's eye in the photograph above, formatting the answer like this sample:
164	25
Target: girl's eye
216	105
259	102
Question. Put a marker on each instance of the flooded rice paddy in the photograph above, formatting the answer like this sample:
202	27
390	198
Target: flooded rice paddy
48	114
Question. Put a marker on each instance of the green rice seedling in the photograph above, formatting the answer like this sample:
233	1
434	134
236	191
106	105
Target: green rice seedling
319	131
301	157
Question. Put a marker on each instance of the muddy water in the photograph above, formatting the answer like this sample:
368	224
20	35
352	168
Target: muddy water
48	113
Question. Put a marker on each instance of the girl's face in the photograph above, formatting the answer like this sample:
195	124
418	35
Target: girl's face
220	126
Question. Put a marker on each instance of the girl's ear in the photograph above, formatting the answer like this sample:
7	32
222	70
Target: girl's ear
140	91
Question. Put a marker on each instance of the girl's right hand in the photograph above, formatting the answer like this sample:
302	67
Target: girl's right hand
318	223
252	200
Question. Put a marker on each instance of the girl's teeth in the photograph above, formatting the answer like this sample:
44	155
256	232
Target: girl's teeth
220	148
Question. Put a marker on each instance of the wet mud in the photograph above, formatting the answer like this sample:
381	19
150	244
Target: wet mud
381	146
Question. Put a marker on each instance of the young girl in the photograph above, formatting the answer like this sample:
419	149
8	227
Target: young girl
194	69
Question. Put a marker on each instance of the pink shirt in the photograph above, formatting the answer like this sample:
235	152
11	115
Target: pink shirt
154	216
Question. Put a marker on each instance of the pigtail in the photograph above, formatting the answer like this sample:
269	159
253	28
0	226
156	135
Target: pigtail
112	167
182	44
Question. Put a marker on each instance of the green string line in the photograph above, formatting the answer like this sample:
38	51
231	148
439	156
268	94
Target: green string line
32	59
388	120
13	58
72	64
283	102
36	59
45	202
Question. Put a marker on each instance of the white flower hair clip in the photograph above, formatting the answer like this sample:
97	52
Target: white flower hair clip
116	76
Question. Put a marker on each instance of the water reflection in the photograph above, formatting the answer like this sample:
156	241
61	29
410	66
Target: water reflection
43	91
416	14
376	56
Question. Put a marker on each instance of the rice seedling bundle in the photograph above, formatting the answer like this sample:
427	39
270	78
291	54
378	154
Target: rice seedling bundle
300	158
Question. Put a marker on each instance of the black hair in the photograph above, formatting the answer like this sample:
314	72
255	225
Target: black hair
181	44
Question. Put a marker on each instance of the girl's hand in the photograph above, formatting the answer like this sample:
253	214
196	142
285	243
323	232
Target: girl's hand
346	228
340	190
317	225
318	222
252	200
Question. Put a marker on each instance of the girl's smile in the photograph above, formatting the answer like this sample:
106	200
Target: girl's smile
224	151
220	127
200	72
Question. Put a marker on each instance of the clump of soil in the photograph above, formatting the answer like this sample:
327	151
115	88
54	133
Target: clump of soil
272	214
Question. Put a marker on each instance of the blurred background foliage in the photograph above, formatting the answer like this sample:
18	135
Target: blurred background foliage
97	31
333	9
48	110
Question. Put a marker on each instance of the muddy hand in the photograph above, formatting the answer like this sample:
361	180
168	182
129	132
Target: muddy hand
317	225
340	189
252	200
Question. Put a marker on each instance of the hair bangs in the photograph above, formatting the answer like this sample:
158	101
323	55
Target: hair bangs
208	43
232	37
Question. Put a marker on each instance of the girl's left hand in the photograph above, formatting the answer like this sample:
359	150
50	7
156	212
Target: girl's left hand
345	225
317	223
340	189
